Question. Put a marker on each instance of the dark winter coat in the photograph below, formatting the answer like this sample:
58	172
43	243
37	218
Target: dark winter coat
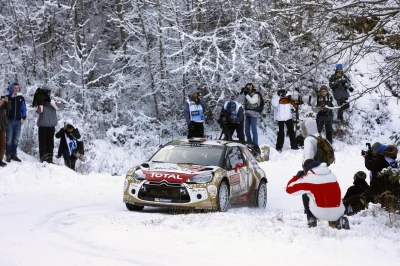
322	101
239	117
63	148
17	106
339	85
360	185
4	109
376	164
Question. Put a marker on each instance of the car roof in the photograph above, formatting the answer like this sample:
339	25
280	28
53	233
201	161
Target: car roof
198	141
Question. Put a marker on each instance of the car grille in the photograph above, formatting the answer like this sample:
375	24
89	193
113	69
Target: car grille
164	192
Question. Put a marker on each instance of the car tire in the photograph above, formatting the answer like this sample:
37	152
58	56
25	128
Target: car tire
261	200
223	197
132	207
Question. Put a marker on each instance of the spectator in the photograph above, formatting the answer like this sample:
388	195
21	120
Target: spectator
4	109
68	136
16	118
193	110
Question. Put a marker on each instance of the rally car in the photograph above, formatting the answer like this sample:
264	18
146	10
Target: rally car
199	174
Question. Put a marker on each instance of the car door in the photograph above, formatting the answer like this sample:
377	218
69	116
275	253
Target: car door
251	163
237	172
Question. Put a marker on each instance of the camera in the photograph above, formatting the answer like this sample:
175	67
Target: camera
282	93
41	96
3	97
367	152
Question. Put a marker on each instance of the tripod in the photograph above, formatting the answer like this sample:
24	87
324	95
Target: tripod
226	132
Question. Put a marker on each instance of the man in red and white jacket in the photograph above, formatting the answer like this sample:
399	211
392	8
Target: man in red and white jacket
321	193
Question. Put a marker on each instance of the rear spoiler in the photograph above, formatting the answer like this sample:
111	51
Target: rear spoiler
253	148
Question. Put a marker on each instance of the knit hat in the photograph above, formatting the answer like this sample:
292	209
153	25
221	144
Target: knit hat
360	174
323	87
339	66
376	146
69	122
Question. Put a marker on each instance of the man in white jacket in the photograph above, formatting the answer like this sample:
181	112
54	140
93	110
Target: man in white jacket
282	103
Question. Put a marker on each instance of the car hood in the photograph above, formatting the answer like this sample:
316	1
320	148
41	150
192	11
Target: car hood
173	173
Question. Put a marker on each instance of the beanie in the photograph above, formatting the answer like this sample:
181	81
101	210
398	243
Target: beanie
323	87
360	174
339	66
376	146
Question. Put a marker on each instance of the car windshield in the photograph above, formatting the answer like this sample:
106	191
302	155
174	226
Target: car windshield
190	154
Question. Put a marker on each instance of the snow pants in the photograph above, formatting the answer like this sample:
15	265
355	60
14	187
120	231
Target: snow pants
46	143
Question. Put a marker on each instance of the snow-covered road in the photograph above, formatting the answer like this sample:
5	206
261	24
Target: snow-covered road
50	215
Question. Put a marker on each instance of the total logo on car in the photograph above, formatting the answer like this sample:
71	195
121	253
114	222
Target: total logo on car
199	174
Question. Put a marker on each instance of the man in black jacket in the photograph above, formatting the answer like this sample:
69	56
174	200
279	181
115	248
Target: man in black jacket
325	113
69	136
359	186
340	85
231	119
380	157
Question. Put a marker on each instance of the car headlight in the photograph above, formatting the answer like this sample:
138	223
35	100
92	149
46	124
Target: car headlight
200	179
139	175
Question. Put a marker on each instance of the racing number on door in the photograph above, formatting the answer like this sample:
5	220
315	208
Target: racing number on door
236	170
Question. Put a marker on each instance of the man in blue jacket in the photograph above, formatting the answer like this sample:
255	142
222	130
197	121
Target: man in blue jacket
16	117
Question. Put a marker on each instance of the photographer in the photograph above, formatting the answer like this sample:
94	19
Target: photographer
193	110
282	102
340	85
4	109
47	120
378	158
253	110
69	136
16	118
325	114
231	119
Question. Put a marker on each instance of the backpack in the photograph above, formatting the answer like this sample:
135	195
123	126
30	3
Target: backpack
325	153
260	108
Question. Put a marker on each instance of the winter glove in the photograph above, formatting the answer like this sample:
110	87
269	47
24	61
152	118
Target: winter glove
244	91
300	173
351	89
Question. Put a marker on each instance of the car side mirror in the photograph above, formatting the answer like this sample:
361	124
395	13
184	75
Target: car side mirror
238	166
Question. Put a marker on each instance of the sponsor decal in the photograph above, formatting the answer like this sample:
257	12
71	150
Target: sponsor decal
212	190
167	176
235	178
162	200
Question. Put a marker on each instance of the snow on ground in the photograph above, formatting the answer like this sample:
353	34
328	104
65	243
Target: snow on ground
50	215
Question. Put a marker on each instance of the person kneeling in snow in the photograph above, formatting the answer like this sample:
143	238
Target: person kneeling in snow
321	194
359	186
68	143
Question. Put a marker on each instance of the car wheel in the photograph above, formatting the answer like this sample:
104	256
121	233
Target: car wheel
132	207
223	197
261	200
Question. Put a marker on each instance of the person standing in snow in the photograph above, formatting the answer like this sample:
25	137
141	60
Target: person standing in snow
193	109
309	131
325	114
68	136
282	102
16	117
340	85
231	120
359	186
47	120
321	194
4	109
252	106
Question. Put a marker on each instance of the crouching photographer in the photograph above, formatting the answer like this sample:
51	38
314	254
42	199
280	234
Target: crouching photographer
382	189
68	148
231	119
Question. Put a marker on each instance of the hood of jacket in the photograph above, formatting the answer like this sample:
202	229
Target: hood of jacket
10	89
361	183
308	127
391	152
318	168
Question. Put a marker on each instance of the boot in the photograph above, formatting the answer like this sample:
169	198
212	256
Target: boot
15	158
2	164
8	158
312	222
344	223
